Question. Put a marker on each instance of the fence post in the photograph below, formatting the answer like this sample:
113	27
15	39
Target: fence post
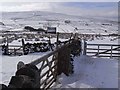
111	51
50	45
63	64
57	40
85	47
15	51
23	45
7	47
98	50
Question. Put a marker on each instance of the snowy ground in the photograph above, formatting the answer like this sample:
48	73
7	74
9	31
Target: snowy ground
91	73
104	40
88	72
119	73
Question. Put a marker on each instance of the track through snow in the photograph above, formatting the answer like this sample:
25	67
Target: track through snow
91	73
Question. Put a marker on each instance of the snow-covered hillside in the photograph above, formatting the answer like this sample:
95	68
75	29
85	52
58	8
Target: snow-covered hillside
17	20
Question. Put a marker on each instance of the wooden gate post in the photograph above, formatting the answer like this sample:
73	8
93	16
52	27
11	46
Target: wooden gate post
57	40
85	48
6	52
98	50
111	51
50	45
63	64
23	45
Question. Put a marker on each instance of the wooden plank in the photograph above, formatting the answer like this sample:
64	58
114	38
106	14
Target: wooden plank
37	61
45	80
92	52
50	83
13	48
102	53
89	49
104	56
107	56
42	67
47	72
15	45
112	53
103	44
95	49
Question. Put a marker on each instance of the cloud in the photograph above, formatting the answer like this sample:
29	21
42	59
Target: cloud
88	10
106	11
25	6
59	0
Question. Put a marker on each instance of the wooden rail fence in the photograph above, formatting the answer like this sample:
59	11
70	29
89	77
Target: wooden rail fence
15	50
103	50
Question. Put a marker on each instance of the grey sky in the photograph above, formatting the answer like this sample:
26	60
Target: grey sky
59	0
90	9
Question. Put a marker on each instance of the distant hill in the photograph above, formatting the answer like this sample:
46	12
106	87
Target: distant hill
44	19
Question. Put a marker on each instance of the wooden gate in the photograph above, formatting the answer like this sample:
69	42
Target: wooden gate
53	64
103	50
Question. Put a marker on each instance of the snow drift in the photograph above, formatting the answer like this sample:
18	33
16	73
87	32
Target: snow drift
91	73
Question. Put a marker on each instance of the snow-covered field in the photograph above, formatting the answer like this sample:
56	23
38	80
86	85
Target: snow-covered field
104	40
16	21
88	72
